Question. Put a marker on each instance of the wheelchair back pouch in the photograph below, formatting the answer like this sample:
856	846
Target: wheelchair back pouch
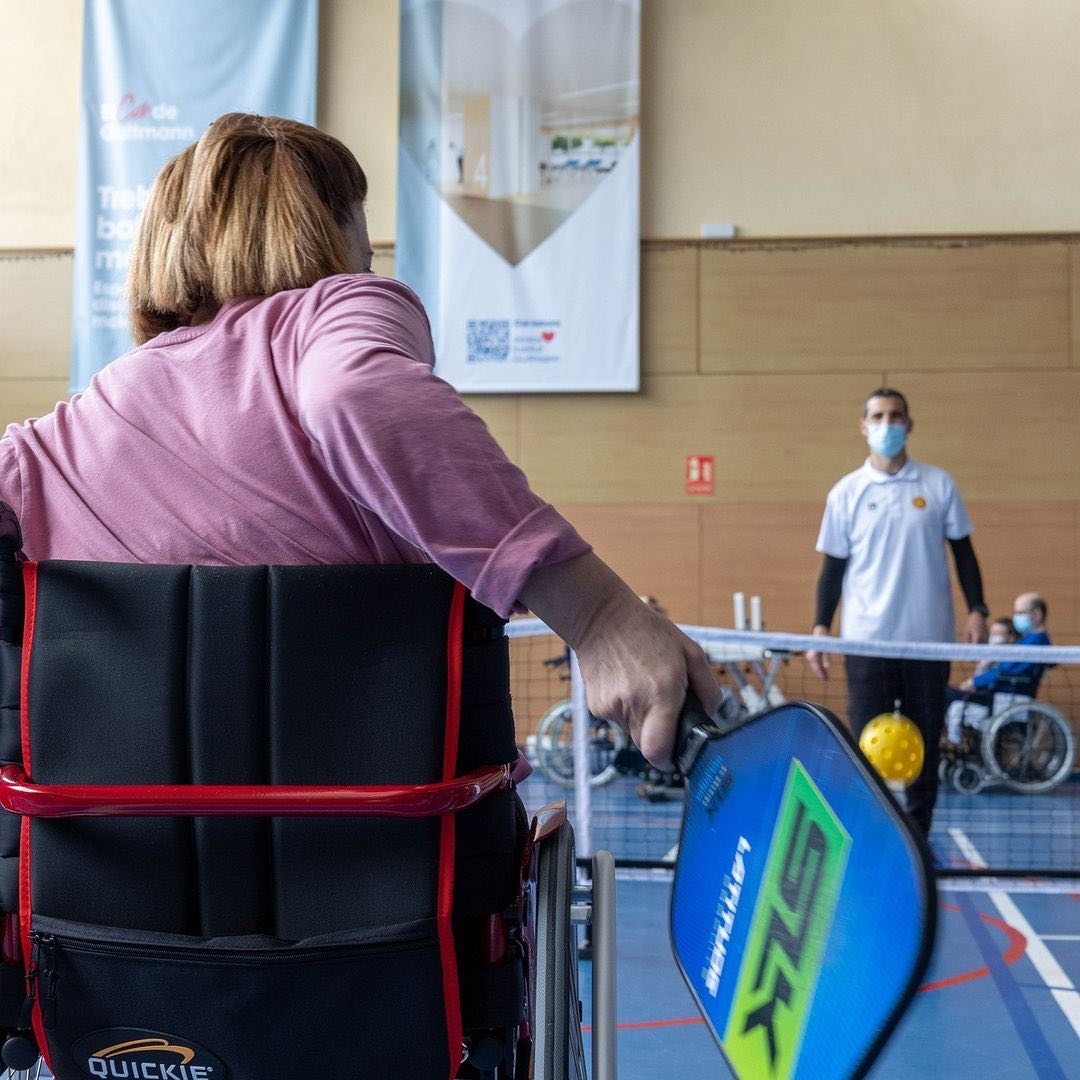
197	948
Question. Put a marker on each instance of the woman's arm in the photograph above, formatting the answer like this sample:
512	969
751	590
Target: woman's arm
637	666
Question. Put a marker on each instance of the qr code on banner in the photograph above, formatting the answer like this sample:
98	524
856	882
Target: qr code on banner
488	340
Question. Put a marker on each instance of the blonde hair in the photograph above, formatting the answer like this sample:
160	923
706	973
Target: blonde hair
257	205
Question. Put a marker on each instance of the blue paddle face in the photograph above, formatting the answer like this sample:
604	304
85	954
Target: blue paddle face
802	910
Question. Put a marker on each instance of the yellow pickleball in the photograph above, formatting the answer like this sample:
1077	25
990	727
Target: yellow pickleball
894	746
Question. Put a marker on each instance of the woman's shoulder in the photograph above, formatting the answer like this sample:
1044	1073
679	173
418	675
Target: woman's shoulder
368	288
366	306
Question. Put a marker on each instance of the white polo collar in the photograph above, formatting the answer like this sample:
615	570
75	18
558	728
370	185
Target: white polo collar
909	472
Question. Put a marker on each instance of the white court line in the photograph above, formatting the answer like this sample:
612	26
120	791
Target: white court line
1016	886
1050	971
1061	937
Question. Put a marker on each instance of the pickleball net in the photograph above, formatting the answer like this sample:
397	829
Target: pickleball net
1009	798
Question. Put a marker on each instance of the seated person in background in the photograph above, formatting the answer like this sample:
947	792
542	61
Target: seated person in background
1002	632
1014	677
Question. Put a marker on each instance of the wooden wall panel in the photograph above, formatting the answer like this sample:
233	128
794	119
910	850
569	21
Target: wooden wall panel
839	308
536	684
1003	435
1029	546
655	548
35	317
761	549
669	310
819	328
774	437
768	550
1074	304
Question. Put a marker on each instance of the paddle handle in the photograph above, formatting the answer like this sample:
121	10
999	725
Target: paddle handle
696	726
693	715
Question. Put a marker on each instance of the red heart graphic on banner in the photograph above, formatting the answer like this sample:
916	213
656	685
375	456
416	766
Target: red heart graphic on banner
534	116
548	335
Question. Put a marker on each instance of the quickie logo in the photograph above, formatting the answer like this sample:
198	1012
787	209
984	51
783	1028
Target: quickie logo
150	1055
791	920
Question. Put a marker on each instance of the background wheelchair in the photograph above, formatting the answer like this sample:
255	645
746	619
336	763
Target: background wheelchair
552	746
265	818
1018	742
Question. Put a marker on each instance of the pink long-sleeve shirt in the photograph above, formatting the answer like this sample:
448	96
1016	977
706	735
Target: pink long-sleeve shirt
306	427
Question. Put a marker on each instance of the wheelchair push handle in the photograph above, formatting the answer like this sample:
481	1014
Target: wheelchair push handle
19	795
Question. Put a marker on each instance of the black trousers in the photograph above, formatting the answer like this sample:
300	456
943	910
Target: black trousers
875	684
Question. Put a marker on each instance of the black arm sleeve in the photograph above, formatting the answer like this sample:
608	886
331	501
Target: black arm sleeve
967	570
829	586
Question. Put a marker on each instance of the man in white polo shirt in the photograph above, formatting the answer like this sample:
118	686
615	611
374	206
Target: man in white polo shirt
883	537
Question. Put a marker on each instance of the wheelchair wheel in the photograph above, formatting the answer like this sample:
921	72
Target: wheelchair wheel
555	747
558	1049
967	778
1030	747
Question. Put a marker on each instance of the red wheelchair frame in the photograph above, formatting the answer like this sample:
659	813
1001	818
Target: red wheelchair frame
529	947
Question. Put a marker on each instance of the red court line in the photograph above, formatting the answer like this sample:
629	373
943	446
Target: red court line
1016	949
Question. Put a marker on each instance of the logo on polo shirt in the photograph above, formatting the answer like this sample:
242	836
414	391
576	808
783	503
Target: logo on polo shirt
919	502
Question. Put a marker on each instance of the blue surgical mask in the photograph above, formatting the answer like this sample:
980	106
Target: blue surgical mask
1022	622
886	439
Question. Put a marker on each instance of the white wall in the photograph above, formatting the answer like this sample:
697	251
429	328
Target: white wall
786	117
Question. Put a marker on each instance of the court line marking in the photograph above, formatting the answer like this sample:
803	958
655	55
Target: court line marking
1034	1040
1016	886
1016	949
1049	970
1010	956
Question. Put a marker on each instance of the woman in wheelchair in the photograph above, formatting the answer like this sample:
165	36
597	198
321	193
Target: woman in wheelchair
280	407
280	410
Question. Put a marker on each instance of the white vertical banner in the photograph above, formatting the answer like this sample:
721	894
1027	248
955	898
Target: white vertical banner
154	76
518	189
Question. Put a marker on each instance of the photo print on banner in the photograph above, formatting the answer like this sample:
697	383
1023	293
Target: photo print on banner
519	192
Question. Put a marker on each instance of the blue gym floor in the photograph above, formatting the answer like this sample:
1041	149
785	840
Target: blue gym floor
985	1009
1001	998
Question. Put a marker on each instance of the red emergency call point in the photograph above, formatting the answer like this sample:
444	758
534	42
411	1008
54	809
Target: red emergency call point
699	474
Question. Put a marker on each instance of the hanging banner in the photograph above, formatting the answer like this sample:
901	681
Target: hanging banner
518	189
154	76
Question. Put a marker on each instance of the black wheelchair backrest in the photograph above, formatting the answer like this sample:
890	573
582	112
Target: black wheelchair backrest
149	675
